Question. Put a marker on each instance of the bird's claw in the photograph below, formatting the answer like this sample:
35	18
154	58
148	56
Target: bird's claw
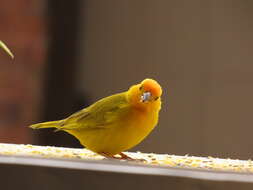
122	157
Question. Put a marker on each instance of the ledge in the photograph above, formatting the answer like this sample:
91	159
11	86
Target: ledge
197	169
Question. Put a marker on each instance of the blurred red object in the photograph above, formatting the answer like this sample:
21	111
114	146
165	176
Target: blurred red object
23	29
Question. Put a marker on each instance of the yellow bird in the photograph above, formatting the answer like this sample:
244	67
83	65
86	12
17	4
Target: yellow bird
115	123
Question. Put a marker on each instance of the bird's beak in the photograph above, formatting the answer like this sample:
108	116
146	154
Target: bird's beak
145	96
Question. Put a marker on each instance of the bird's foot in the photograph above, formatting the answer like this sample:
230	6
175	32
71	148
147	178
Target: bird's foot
122	157
125	157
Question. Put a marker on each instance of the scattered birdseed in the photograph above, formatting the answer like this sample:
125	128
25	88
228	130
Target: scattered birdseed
191	162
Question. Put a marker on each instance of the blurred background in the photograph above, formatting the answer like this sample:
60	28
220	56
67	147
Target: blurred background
69	54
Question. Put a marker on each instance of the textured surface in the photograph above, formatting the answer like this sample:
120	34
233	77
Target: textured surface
189	162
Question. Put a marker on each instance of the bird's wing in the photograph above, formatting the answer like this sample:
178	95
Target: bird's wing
99	115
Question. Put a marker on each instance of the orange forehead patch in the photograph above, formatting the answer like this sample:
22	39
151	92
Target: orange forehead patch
152	86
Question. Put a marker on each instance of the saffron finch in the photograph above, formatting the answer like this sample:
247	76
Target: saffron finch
115	123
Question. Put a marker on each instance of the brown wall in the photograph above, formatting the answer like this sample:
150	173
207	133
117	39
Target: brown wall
200	52
22	28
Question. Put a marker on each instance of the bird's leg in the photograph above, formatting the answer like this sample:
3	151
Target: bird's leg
106	155
125	157
122	157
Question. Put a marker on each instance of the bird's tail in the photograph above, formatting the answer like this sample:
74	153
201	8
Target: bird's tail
50	124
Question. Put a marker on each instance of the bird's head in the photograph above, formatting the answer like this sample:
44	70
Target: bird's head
148	92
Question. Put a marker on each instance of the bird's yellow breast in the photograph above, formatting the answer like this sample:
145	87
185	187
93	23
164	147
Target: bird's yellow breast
130	130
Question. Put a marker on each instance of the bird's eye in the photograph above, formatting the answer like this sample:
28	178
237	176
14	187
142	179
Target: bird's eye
156	98
141	87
